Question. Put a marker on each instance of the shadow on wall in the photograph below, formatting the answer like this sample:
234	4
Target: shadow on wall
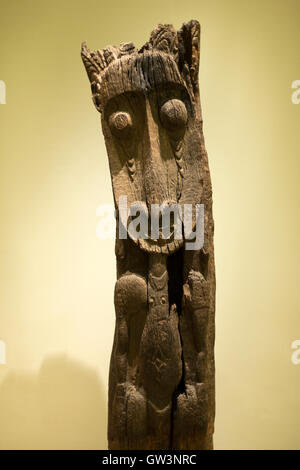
63	407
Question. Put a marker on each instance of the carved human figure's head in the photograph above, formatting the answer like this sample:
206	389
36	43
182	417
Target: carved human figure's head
151	120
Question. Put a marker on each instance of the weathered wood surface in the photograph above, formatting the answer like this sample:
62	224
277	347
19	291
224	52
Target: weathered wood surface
161	384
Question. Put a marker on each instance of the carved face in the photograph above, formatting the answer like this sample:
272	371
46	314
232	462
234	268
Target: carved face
150	122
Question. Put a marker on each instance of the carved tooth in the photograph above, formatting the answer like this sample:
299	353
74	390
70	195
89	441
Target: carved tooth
164	249
171	247
145	245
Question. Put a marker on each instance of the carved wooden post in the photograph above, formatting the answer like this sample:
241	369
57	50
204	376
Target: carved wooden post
161	384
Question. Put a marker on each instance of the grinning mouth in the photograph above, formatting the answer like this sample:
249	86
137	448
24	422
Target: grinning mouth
162	229
159	246
158	230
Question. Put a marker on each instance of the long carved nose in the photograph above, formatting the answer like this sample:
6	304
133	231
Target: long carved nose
155	168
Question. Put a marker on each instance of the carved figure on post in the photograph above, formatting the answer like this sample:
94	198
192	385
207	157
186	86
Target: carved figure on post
161	384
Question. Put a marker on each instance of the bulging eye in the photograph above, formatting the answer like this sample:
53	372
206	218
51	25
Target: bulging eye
174	115
120	124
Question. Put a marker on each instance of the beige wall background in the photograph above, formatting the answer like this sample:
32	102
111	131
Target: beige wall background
57	278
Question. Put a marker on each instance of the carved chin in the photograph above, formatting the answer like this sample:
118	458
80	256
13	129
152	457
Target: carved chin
165	246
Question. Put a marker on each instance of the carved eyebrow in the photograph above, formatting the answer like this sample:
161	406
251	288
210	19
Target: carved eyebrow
168	88
171	90
165	92
124	102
